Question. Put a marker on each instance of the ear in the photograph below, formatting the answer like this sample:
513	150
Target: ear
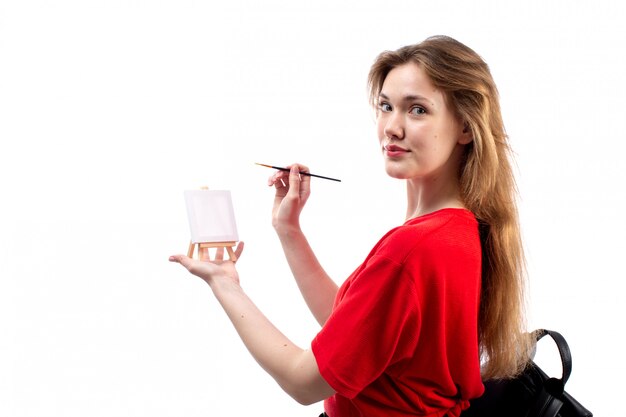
466	135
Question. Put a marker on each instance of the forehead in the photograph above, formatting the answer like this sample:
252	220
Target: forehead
410	80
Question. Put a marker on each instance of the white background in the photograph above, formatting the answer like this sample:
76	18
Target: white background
110	109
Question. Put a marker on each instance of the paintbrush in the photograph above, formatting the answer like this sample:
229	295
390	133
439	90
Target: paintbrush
301	173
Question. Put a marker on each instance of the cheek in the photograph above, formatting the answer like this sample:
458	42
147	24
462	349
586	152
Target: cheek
420	137
380	131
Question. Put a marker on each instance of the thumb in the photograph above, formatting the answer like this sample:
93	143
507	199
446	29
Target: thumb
294	180
181	259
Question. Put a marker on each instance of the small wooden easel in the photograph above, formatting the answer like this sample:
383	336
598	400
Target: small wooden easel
203	249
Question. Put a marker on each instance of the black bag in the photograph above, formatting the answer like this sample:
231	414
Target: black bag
532	393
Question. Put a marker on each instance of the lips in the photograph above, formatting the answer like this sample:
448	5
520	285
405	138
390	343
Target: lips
394	150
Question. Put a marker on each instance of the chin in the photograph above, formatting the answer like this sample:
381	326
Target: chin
396	171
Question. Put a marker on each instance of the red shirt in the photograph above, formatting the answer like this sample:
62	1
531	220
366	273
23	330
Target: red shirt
403	335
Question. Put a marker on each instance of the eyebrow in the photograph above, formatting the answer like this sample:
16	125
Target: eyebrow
410	97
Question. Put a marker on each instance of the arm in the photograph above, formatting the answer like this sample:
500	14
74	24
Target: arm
317	288
293	368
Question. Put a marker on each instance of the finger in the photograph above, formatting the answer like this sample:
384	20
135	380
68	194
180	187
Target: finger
294	181
272	179
280	184
301	168
283	178
279	180
239	249
195	267
305	180
219	254
181	259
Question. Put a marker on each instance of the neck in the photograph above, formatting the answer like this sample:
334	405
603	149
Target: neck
428	195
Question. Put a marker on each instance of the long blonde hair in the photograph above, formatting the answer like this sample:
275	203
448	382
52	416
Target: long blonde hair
488	189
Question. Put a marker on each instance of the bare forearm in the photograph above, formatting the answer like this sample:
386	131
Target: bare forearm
317	288
293	368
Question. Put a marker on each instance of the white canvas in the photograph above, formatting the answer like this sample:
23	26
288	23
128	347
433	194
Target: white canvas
211	216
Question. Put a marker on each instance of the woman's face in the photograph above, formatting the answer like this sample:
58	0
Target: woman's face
420	136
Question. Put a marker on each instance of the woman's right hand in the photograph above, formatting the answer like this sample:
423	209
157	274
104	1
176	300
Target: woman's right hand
292	192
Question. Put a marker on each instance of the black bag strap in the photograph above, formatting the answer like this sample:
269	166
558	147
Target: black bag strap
545	405
566	355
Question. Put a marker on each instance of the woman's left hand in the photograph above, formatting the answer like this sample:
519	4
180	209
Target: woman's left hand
213	271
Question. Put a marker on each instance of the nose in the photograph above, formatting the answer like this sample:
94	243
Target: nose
394	126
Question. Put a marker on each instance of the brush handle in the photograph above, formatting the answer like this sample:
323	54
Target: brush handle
301	173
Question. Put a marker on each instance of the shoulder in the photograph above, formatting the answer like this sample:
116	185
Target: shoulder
442	233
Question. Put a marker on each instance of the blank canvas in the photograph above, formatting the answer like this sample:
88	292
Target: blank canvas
211	216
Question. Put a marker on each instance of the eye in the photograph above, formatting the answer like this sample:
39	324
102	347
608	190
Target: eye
417	110
384	107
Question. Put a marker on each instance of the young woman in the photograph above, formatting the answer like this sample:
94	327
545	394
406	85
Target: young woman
437	304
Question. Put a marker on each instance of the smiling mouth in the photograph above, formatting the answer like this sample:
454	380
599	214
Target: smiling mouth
394	149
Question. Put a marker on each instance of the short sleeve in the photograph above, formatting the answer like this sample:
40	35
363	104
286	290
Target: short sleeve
375	325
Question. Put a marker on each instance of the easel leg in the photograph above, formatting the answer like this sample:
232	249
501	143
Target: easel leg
231	253
203	250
